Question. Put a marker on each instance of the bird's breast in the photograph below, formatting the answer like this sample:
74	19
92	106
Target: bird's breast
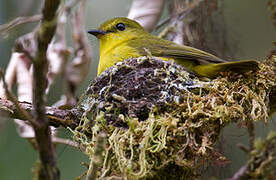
116	54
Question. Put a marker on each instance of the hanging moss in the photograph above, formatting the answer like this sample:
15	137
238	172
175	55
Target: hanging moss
162	121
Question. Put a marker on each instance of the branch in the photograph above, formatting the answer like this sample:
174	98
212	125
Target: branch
57	117
43	37
18	21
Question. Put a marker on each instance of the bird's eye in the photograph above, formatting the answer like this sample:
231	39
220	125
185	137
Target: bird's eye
120	26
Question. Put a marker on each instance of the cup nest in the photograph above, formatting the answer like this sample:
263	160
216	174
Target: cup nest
160	120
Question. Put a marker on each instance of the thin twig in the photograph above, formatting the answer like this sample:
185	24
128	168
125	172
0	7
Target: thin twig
243	147
181	15
18	21
241	173
81	176
163	22
68	7
68	142
84	173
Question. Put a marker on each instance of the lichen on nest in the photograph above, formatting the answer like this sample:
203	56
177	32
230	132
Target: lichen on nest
156	115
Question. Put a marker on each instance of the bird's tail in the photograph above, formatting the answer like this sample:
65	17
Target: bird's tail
212	70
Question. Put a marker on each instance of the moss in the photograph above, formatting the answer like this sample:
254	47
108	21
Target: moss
158	116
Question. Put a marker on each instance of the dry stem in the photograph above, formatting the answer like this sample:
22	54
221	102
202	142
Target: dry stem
43	37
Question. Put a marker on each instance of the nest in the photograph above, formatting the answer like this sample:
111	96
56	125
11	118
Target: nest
161	120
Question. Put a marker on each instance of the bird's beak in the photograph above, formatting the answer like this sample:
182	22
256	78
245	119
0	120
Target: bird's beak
96	32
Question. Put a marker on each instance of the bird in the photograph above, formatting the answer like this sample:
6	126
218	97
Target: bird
121	38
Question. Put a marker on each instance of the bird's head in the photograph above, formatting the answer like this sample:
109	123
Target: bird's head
117	30
116	26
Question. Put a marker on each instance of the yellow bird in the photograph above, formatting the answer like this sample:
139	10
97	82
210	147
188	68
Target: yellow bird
121	38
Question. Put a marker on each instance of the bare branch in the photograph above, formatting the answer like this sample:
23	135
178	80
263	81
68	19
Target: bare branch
43	37
65	141
18	21
57	117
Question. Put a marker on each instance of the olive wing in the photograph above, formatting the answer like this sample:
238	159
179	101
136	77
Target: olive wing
164	48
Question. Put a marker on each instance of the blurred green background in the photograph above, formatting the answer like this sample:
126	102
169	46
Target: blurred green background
248	25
